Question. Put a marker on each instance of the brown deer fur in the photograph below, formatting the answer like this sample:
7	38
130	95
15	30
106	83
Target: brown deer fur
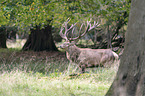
88	58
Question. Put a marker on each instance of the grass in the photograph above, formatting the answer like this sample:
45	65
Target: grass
47	74
18	83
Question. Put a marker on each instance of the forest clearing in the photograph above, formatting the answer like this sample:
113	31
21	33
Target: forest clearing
28	73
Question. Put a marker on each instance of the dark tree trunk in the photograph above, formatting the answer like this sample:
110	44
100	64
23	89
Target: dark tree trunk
130	79
40	40
3	37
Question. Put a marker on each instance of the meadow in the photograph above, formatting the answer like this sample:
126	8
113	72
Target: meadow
28	73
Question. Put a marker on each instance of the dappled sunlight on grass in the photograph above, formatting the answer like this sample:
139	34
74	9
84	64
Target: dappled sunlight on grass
18	43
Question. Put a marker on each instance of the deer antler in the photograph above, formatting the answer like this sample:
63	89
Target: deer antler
88	28
66	30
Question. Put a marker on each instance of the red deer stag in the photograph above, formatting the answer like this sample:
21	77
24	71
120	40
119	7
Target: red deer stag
85	57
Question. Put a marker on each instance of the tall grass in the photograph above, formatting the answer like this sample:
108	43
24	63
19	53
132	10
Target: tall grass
47	74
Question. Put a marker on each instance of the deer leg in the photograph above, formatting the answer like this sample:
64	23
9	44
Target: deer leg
82	68
103	60
106	61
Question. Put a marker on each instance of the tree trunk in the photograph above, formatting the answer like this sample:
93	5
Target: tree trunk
130	79
3	37
109	45
40	40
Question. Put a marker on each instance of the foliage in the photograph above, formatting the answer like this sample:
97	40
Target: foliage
4	15
113	16
34	12
30	13
25	14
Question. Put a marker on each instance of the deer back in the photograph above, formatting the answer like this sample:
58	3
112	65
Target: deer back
96	56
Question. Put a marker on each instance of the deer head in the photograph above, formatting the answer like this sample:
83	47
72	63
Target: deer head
71	41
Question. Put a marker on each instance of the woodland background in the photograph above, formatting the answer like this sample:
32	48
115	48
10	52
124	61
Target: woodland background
31	62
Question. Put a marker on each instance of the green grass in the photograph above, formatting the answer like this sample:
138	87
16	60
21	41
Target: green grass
20	83
47	74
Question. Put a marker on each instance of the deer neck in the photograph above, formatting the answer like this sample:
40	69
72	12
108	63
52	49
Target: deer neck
73	52
73	49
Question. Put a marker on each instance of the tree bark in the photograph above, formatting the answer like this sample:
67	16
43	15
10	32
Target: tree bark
3	37
130	79
40	40
109	45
